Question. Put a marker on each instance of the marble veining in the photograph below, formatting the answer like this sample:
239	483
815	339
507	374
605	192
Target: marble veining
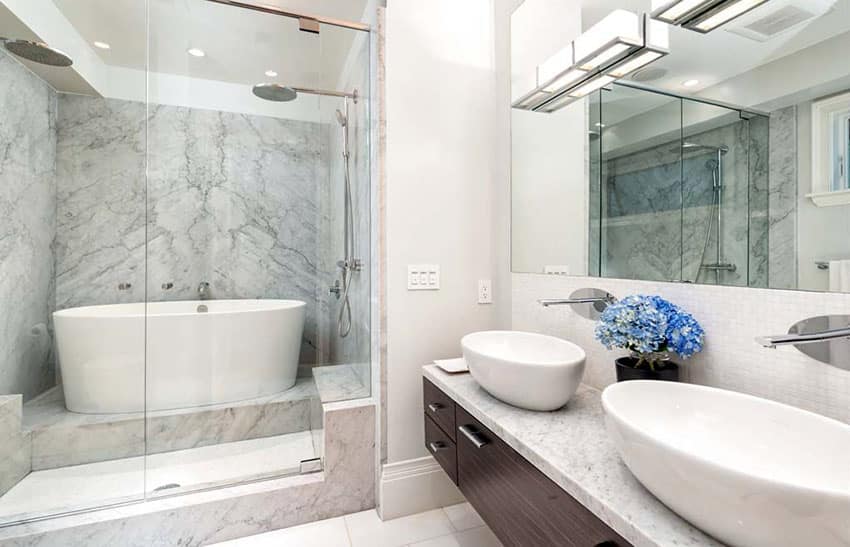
61	438
571	446
347	485
656	206
783	198
15	444
27	229
230	199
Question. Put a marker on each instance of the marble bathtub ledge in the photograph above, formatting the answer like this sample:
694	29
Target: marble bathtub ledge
347	485
571	446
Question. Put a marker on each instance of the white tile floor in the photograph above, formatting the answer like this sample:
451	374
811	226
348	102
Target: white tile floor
455	526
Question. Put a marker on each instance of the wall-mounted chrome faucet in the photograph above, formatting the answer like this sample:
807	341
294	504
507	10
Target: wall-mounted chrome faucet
825	338
204	291
589	303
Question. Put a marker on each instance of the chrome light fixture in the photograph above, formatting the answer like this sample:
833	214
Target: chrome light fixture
701	15
618	45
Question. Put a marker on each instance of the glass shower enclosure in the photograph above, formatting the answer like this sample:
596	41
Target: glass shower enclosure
202	251
679	189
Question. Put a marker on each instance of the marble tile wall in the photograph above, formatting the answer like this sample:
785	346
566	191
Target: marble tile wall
27	229
655	227
232	200
783	198
732	318
15	444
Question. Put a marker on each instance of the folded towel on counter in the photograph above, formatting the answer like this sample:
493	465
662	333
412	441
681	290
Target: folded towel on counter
452	366
839	276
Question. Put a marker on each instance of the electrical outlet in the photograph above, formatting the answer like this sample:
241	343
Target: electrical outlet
485	291
559	269
423	277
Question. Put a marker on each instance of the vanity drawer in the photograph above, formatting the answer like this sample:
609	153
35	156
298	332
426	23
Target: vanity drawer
522	506
440	408
441	447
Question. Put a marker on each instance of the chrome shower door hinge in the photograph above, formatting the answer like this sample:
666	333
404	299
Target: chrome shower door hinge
306	24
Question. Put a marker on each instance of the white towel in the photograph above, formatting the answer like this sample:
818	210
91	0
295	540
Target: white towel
839	276
452	366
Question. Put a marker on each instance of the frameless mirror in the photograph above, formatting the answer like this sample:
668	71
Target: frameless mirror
724	162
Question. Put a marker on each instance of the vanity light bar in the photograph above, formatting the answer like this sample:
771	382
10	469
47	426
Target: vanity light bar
701	15
595	59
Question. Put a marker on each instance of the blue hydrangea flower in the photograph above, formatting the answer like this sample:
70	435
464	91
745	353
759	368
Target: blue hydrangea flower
649	324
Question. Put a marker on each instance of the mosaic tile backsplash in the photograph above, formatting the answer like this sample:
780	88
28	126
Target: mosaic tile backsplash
732	318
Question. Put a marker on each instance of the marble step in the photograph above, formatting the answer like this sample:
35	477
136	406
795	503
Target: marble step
61	438
15	444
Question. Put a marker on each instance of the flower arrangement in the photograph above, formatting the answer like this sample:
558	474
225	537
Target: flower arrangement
649	327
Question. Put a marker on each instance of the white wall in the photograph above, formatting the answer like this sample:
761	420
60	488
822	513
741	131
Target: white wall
444	130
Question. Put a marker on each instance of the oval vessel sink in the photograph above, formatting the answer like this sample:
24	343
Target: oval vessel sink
524	369
748	471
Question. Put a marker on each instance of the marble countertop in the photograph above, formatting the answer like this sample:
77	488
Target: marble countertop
571	447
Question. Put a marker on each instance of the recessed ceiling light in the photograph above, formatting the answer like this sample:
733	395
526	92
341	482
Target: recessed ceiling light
271	73
195	52
102	45
690	83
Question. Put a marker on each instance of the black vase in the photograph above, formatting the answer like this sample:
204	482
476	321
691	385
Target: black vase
665	369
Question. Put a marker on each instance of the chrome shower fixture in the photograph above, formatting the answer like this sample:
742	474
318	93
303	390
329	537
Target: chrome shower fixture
37	52
701	15
275	93
280	93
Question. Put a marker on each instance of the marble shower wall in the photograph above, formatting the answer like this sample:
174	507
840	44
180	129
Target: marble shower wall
783	198
655	227
232	199
27	229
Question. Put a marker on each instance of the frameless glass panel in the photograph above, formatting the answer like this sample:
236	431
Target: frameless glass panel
343	359
72	260
236	175
641	185
717	197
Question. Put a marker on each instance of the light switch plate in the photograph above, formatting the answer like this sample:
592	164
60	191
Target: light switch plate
423	277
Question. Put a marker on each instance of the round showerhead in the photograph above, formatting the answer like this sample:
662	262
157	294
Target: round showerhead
38	52
340	117
275	92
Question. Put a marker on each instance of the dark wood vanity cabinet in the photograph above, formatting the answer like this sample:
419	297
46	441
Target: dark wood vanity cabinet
522	506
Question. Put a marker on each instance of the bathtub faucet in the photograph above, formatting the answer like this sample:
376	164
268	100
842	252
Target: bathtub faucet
204	291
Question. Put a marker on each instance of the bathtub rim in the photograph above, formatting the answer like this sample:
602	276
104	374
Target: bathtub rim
91	312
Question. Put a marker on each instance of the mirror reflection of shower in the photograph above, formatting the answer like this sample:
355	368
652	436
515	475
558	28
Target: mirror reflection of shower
715	212
349	263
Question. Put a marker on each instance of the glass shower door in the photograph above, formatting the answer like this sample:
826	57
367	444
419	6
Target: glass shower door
234	186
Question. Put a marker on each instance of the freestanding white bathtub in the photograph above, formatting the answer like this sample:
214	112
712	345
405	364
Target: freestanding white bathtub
124	358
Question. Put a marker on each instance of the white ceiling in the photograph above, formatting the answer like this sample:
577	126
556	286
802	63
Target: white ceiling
240	44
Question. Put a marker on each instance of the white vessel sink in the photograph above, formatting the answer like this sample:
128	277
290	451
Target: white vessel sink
748	471
524	369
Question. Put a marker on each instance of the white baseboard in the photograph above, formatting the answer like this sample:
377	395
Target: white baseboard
414	486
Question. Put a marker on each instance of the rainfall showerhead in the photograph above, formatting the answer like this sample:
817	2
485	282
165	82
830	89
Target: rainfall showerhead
275	92
37	52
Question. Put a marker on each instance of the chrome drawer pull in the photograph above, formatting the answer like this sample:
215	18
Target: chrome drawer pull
436	407
437	446
474	436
